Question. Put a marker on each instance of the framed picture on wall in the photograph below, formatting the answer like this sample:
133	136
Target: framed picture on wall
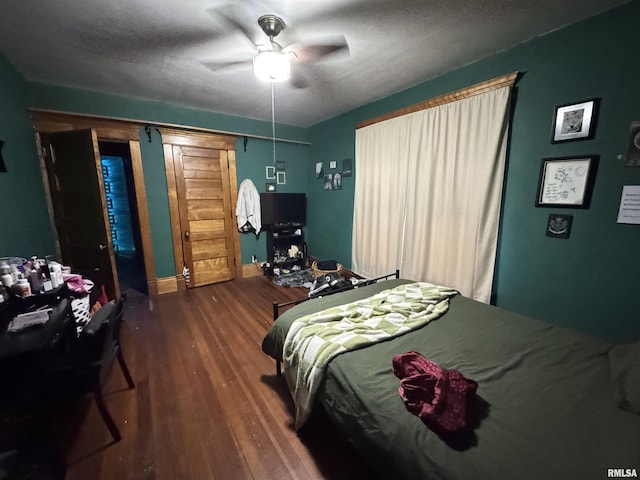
3	167
566	182
270	172
347	167
632	156
336	181
559	226
575	121
328	181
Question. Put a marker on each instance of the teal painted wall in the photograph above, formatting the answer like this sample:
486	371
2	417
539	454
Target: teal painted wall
155	185
252	163
249	165
24	220
588	281
330	212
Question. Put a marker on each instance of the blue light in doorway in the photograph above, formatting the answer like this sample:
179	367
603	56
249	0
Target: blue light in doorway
118	207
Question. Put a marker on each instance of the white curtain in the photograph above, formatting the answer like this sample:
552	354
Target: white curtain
428	192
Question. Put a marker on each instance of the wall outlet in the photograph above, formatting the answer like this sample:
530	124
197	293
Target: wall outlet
254	259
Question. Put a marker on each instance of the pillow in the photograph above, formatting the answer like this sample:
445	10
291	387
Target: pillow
624	360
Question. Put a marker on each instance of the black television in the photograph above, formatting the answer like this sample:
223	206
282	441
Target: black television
283	208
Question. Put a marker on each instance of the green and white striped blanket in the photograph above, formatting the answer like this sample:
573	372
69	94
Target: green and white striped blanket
313	340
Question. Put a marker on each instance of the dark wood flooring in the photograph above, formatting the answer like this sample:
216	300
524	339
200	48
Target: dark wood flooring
207	402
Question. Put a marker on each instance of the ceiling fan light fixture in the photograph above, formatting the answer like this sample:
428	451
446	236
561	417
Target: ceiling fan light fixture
272	66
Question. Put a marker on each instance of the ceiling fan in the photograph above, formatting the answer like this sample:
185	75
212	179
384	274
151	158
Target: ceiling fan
271	61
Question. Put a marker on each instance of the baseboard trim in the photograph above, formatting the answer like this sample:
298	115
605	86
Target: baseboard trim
173	284
251	270
166	285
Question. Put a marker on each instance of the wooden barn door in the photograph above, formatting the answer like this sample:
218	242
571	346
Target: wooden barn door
202	202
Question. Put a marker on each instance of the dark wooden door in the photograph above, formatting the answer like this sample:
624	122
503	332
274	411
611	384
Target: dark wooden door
80	212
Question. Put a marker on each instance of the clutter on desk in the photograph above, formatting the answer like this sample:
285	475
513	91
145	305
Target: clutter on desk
36	282
35	276
29	319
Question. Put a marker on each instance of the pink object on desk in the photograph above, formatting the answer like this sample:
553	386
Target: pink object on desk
77	284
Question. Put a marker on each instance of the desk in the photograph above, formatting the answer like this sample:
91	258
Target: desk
36	339
25	424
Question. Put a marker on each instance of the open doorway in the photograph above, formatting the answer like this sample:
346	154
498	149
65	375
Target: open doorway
123	215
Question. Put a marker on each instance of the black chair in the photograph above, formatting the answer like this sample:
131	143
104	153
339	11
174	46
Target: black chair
83	367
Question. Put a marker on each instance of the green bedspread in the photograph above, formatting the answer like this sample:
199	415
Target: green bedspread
551	408
315	339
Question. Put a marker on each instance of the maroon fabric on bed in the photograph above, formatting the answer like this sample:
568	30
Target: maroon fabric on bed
436	395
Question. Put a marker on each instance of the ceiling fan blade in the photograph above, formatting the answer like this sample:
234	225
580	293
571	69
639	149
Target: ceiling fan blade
217	66
299	80
230	17
312	52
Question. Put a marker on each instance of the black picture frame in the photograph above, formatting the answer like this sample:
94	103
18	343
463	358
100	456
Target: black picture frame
559	225
328	181
567	182
347	167
632	155
575	121
3	167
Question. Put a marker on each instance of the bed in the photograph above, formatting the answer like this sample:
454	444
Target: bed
550	402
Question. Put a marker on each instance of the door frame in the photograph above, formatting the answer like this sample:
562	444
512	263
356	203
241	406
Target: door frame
119	131
171	137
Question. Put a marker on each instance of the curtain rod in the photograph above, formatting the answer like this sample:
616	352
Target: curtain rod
503	81
168	125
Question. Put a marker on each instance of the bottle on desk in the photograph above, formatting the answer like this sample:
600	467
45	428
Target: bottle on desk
4	268
56	274
45	282
5	275
4	294
33	275
22	288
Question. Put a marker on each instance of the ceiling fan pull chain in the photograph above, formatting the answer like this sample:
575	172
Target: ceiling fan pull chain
273	124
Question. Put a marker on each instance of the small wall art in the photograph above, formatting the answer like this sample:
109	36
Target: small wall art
566	182
319	170
328	181
336	182
270	172
347	167
3	167
632	157
575	121
559	225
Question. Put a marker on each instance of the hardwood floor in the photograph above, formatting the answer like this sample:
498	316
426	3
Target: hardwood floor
207	402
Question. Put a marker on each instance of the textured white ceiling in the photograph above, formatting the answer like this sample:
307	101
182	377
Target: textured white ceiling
158	49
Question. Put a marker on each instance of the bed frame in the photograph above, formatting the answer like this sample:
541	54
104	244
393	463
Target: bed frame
363	283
